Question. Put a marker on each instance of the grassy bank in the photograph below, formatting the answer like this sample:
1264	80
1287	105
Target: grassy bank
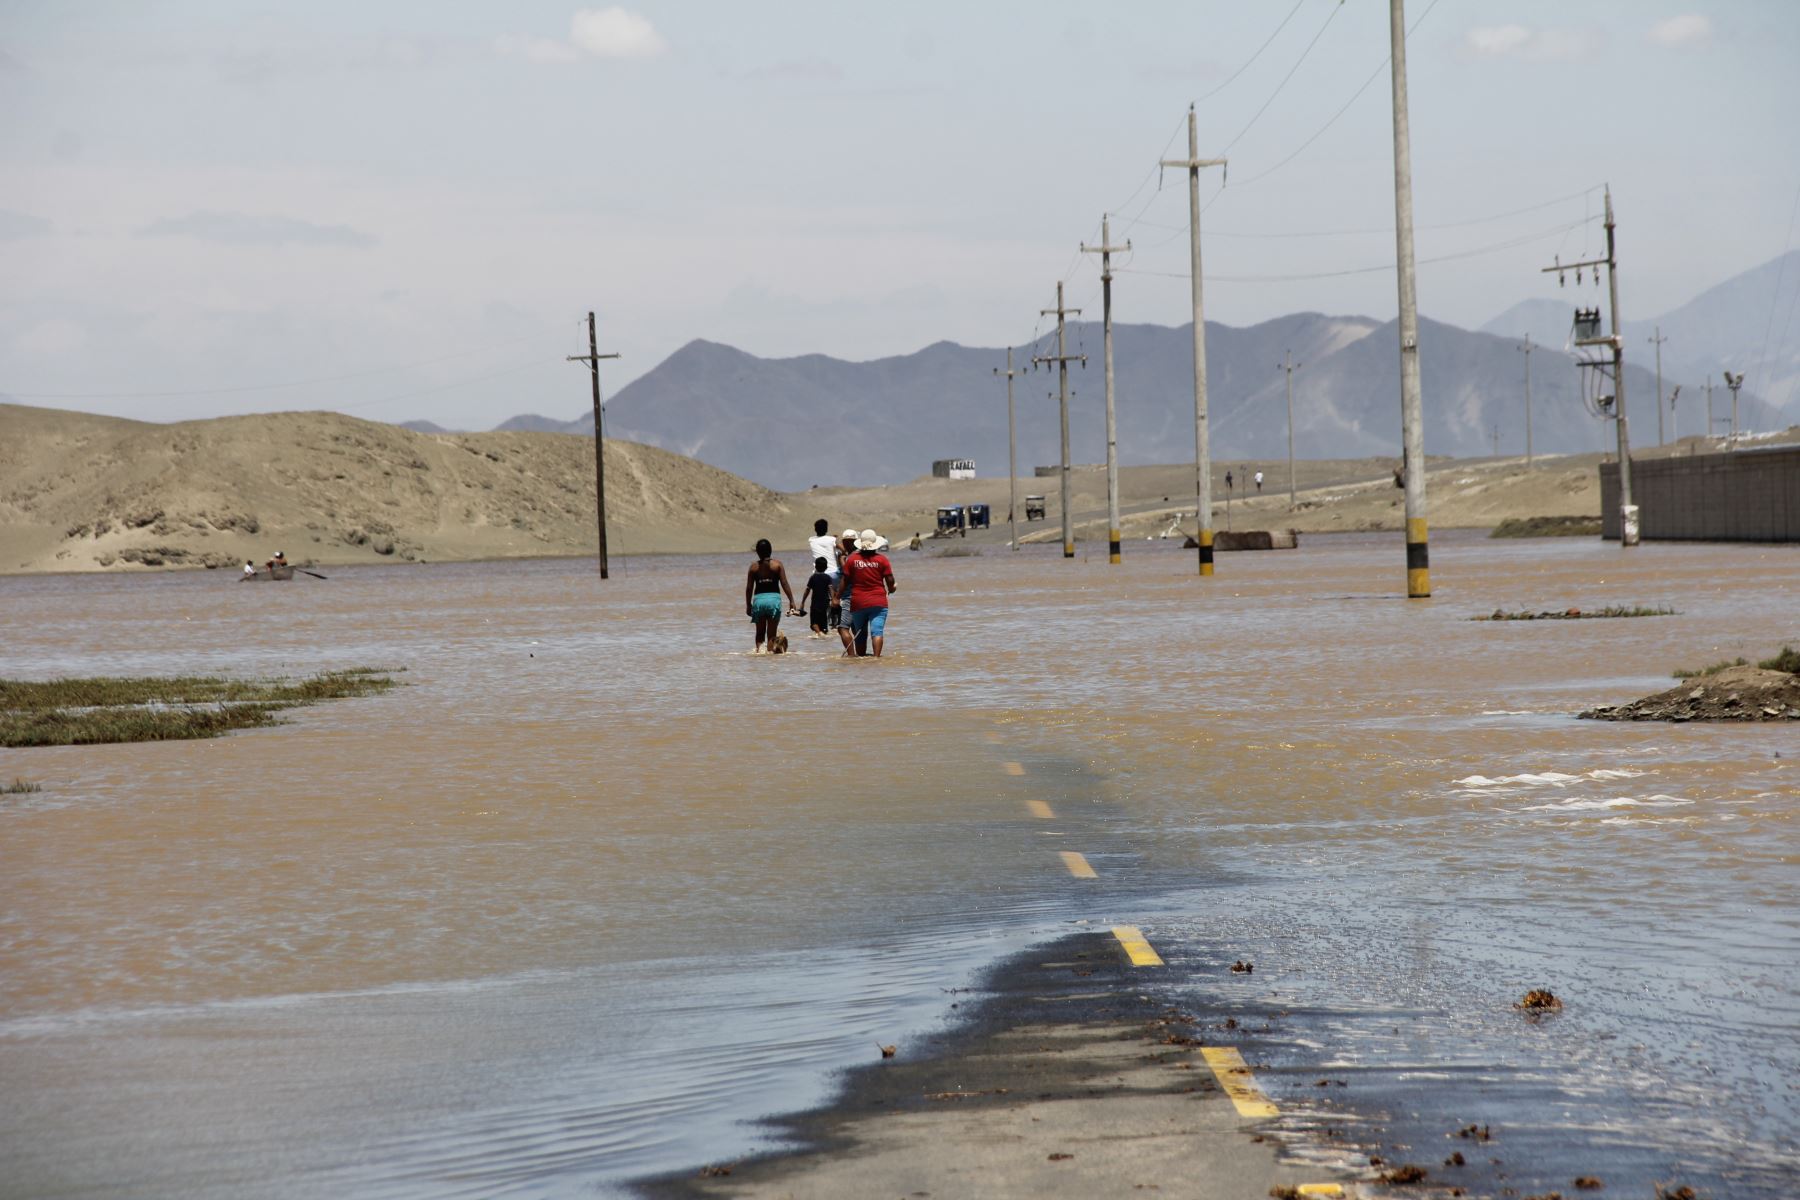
1536	527
107	709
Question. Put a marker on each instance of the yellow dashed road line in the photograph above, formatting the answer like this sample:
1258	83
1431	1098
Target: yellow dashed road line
1040	809
1234	1076
1078	866
1136	948
1013	768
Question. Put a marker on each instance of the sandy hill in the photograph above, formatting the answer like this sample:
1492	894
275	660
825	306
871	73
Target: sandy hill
85	492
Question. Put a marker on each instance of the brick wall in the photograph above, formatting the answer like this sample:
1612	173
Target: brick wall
1744	496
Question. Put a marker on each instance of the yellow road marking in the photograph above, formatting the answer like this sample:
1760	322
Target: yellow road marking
1320	1189
1040	809
1078	866
1013	768
1234	1076
1136	948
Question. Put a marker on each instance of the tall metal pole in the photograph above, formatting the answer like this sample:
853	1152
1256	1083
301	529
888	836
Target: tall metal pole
1012	453
1105	251
1061	359
1628	523
1202	450
592	359
1412	421
1659	339
1288	363
1527	349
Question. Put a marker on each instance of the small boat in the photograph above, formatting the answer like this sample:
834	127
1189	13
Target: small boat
275	574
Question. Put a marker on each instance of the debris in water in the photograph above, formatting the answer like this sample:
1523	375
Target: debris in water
1059	1156
1480	1133
1242	968
1683	1192
1540	1000
714	1172
1455	1160
1409	1173
1588	1183
887	1051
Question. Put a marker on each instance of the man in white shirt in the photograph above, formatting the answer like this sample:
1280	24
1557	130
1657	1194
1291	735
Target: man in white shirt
822	545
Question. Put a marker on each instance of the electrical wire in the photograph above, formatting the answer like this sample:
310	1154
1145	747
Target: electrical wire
1247	62
1284	79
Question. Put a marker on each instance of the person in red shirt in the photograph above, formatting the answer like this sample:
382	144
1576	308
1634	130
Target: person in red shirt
869	578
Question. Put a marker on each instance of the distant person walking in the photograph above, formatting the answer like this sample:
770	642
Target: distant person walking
1259	481
766	583
869	578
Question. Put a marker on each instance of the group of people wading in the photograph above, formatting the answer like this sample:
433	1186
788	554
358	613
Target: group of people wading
848	591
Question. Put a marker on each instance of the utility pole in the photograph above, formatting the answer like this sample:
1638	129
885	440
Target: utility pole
1289	365
1202	450
1734	382
1527	349
1628	515
1659	339
1012	453
592	359
1412	417
1105	251
1061	358
1709	408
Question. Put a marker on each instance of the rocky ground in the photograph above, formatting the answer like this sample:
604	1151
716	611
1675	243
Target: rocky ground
1734	694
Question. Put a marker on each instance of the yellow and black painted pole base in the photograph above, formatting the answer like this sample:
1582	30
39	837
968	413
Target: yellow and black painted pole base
1112	547
1418	560
1068	549
1206	551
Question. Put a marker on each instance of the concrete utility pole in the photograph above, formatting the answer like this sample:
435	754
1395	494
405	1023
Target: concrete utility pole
1527	349
1202	450
1412	417
1289	365
592	359
1709	408
1734	382
1012	453
1105	251
1628	514
1659	339
1062	358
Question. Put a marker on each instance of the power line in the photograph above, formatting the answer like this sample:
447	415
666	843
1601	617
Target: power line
272	387
1284	79
1234	75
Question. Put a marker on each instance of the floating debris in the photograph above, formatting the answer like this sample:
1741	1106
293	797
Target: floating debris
1408	1173
1242	968
1540	1000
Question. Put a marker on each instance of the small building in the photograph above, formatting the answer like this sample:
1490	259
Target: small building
953	468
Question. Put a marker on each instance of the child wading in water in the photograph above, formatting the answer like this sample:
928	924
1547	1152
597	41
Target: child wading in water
817	597
763	589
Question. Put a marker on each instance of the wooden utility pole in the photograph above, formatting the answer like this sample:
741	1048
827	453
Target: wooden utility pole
1628	514
1012	453
1202	449
1659	339
592	359
1527	349
1289	365
1062	358
1105	251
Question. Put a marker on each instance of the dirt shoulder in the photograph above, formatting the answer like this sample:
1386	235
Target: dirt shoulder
1734	694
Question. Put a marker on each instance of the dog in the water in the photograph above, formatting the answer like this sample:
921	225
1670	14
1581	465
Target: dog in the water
778	644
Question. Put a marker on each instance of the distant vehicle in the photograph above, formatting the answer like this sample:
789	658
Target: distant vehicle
978	516
951	521
1034	508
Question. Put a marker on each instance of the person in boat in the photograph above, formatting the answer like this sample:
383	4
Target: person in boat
764	587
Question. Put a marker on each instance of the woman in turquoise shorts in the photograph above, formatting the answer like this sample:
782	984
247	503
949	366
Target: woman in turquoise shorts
763	590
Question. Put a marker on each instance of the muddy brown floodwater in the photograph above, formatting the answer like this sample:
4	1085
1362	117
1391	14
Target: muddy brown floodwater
597	887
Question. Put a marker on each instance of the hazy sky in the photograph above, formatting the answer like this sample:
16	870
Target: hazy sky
404	209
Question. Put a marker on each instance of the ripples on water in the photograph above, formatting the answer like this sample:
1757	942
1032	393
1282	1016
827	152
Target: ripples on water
597	885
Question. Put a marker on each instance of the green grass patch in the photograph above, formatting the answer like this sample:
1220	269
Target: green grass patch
1724	664
20	787
106	709
1788	660
1577	614
1536	527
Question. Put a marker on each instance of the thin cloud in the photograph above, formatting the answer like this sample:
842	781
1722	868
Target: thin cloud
1689	29
802	70
1536	45
615	33
15	225
246	229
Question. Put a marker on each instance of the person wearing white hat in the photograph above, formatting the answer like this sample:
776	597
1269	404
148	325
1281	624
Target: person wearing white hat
869	578
840	611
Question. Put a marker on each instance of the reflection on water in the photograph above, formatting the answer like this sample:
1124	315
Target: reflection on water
598	884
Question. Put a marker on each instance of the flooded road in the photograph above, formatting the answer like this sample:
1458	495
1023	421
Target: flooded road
597	886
